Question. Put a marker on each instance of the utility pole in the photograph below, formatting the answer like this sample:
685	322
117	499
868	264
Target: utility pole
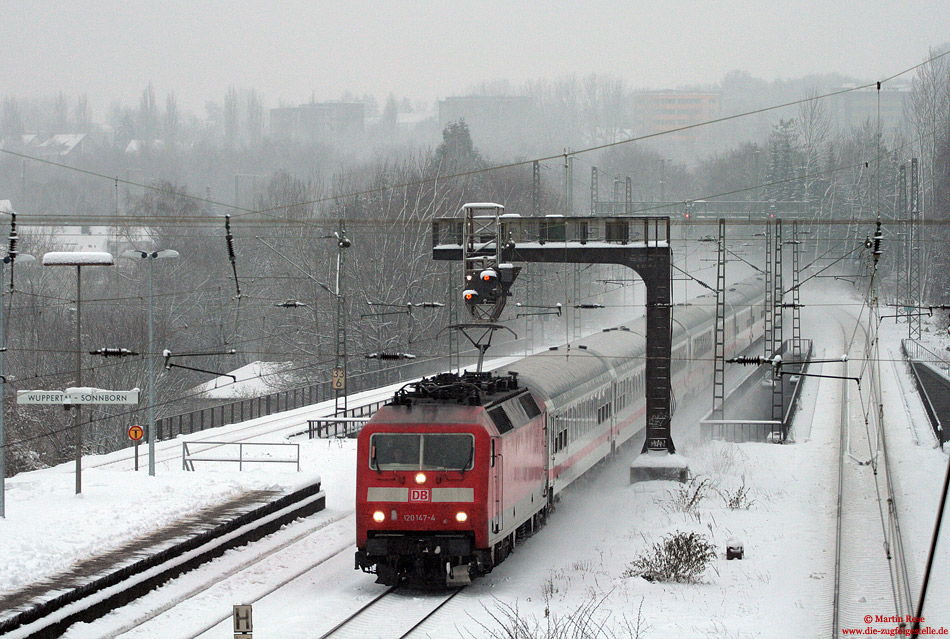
628	197
900	213
11	258
536	187
778	386
914	276
796	306
769	302
594	190
719	351
455	363
338	380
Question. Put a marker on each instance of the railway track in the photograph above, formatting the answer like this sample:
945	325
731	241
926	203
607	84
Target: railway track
301	531
870	574
393	614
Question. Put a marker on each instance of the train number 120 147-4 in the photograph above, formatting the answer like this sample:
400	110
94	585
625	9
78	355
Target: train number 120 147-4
422	517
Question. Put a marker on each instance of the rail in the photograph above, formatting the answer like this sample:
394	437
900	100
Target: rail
189	456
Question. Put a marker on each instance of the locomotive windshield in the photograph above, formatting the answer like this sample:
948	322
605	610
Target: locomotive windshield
413	451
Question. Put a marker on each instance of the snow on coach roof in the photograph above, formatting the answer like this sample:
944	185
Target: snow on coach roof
77	258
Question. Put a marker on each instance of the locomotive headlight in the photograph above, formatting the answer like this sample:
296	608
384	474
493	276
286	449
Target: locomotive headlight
379	517
461	517
420	478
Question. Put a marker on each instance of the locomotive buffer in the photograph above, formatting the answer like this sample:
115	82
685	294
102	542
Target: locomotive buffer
488	241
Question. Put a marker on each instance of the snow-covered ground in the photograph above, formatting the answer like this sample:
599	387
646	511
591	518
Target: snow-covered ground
251	380
783	587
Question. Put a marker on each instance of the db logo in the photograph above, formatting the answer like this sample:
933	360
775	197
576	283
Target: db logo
419	494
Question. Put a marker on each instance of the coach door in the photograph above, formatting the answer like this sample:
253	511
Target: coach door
498	477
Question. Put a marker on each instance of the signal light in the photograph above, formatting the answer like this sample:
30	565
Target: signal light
470	296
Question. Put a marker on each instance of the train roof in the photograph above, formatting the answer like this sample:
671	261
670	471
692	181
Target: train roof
560	374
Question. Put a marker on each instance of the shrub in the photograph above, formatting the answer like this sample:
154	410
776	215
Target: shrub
738	499
588	621
681	557
686	497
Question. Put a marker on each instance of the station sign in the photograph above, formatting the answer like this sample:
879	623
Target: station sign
78	396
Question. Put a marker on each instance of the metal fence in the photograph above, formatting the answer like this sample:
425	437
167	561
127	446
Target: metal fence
916	351
931	376
743	430
761	430
215	452
244	409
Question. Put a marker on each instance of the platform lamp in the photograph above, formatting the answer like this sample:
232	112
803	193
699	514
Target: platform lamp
11	258
78	259
151	256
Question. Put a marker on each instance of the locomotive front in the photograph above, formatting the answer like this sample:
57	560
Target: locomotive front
422	494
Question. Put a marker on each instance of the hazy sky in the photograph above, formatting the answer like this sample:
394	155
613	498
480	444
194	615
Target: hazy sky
294	48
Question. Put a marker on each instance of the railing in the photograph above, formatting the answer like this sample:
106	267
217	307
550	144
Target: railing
920	355
245	409
760	430
796	392
744	430
641	229
189	456
337	427
916	351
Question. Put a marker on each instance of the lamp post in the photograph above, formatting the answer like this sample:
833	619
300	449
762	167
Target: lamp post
11	258
151	256
78	259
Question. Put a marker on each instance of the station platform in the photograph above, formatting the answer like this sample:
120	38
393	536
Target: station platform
100	583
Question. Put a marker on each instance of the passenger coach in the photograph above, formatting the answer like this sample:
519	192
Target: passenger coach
457	468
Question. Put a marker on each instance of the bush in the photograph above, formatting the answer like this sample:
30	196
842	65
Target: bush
681	557
686	497
738	499
588	621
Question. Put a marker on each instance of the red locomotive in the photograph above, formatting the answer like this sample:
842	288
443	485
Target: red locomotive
457	468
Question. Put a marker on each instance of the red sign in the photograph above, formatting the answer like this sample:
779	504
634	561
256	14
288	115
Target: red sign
419	495
136	433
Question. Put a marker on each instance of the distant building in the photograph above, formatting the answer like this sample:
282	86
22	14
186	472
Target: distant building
318	121
489	117
657	111
66	145
136	147
855	108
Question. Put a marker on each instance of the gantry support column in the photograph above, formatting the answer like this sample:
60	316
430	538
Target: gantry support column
641	244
